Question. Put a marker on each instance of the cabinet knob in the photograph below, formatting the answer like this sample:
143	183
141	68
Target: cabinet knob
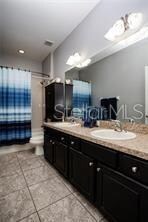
72	142
91	164
98	169
50	141
53	143
134	169
62	138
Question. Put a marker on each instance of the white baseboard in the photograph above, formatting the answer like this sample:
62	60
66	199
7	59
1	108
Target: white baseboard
14	148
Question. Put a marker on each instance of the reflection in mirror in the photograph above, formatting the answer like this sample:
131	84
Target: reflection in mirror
115	85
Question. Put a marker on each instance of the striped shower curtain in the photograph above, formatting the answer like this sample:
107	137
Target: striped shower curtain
15	106
81	97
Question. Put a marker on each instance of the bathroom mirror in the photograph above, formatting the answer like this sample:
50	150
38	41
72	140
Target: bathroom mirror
120	76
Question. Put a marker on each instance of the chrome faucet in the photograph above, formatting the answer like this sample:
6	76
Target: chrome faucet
118	125
73	119
63	117
131	120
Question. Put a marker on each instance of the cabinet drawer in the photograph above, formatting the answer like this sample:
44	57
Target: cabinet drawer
100	153
62	137
74	142
133	167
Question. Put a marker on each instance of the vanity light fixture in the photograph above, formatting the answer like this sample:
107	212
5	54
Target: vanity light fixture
84	64
74	59
136	37
117	30
129	21
70	61
134	20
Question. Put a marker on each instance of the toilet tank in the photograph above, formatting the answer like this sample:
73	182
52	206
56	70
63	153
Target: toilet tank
37	132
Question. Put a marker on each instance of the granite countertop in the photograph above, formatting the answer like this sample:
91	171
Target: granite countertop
137	147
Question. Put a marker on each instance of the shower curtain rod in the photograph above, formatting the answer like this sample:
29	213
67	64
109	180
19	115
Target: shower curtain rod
83	80
35	72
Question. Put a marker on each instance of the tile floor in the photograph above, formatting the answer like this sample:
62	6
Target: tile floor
31	190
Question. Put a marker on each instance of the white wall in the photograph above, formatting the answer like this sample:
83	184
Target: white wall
19	61
88	38
46	65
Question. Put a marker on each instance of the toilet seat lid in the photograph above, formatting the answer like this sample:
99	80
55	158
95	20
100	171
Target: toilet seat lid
37	139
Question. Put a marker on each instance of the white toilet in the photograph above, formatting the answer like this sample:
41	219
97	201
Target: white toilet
37	141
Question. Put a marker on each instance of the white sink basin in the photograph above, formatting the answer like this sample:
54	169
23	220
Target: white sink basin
111	134
66	124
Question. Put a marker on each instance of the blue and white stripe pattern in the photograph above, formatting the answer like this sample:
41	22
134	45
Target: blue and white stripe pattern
15	106
81	97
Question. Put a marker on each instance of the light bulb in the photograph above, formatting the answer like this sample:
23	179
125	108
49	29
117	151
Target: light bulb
86	62
134	20
77	57
83	64
70	61
21	51
110	35
119	28
74	59
79	65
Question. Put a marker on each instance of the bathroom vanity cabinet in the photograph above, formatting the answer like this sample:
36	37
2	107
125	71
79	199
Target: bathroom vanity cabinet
116	183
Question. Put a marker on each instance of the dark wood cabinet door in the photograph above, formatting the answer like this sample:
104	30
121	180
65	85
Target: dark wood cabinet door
61	158
68	99
48	148
119	197
49	101
81	172
54	99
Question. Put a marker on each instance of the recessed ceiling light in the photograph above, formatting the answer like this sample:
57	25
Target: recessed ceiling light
21	51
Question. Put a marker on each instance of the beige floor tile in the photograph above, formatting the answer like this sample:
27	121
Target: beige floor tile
8	159
68	209
48	192
11	183
31	163
16	206
39	174
10	169
32	218
50	166
67	184
25	155
90	207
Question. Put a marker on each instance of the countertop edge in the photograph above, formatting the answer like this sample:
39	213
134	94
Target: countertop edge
105	143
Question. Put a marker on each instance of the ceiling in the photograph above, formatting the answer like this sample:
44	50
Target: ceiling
26	24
